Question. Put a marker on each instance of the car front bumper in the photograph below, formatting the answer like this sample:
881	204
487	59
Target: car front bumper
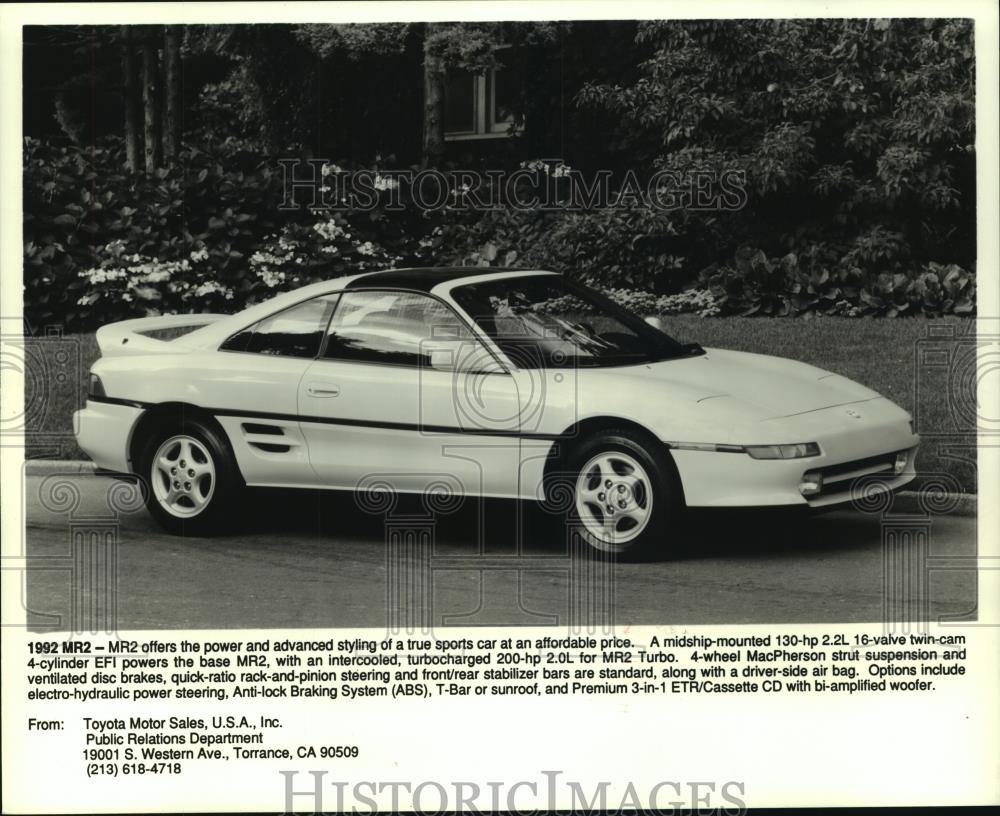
856	461
103	432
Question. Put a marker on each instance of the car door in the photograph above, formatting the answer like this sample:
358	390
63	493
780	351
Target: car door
405	396
253	391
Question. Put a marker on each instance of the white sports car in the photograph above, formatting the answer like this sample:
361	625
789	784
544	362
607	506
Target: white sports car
470	381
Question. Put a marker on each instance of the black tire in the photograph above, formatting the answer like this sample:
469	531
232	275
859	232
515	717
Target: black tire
223	488
662	531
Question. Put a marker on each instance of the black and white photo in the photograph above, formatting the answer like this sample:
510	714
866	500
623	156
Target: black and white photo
406	357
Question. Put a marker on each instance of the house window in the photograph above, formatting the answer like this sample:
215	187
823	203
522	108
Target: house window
478	106
460	103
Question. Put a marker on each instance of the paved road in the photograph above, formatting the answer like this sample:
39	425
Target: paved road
317	560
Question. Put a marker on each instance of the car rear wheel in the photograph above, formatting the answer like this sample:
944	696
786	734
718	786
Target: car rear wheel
191	478
626	494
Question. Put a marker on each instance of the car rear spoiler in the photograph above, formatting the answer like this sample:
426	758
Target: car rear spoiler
134	336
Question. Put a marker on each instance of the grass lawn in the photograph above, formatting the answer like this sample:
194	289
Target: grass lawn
926	366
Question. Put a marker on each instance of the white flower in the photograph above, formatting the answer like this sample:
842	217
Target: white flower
366	248
267	259
199	255
270	278
330	230
99	275
154	276
212	288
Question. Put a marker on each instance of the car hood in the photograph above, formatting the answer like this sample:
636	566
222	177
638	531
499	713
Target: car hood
764	387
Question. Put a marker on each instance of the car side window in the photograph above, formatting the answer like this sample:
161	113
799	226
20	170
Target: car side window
295	332
400	328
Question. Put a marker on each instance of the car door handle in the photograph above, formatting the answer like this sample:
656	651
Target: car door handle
321	389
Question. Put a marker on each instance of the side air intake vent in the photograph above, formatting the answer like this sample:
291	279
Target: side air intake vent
267	430
269	448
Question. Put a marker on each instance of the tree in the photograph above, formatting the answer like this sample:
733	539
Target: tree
856	136
439	47
276	78
151	105
130	97
434	76
172	95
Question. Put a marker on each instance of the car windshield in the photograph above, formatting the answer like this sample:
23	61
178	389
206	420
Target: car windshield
545	321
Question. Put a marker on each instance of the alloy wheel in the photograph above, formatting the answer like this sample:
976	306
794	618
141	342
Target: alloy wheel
614	499
183	476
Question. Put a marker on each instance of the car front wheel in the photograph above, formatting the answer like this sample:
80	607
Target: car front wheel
626	494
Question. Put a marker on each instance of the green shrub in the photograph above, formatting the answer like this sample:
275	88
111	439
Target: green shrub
101	244
693	301
305	253
757	285
123	285
611	247
84	213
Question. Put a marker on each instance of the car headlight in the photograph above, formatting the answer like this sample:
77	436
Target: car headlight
798	451
95	388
